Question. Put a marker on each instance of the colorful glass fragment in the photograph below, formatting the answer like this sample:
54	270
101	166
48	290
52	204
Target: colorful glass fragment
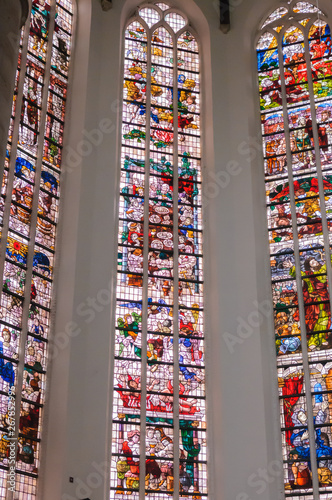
29	214
159	328
294	71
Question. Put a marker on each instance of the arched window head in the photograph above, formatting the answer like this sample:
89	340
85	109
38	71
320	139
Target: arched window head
159	409
295	85
29	206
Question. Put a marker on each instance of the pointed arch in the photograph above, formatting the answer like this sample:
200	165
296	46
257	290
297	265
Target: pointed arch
295	85
159	331
29	211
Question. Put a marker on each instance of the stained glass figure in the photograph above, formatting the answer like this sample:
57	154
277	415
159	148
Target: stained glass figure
159	363
294	72
29	215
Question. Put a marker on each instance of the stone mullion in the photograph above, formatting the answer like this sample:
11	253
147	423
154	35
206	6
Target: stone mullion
33	225
319	170
304	346
145	272
176	379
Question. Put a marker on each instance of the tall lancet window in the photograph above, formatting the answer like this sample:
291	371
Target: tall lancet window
29	213
295	84
159	417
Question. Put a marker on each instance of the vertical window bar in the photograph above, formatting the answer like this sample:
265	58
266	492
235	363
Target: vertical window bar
317	148
176	383
18	268
13	152
145	271
127	402
318	163
33	228
310	422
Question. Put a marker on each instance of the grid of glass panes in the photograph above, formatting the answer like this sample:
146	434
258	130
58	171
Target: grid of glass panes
29	214
159	308
295	84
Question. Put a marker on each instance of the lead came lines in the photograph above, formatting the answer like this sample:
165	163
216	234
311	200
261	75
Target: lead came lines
295	118
31	196
150	292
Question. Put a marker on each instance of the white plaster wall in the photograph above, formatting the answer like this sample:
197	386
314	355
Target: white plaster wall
242	390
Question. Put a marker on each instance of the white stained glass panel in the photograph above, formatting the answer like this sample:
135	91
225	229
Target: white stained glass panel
305	7
162	6
150	16
175	21
277	14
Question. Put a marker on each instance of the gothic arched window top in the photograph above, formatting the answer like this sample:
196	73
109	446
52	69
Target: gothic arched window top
29	208
294	10
295	85
159	369
153	13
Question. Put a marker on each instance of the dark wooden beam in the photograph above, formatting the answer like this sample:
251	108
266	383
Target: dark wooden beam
225	22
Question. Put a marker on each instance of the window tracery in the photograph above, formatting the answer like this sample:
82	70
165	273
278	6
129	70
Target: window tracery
159	334
295	85
29	207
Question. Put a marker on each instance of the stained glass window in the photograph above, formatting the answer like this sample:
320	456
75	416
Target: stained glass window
29	215
159	409
295	86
